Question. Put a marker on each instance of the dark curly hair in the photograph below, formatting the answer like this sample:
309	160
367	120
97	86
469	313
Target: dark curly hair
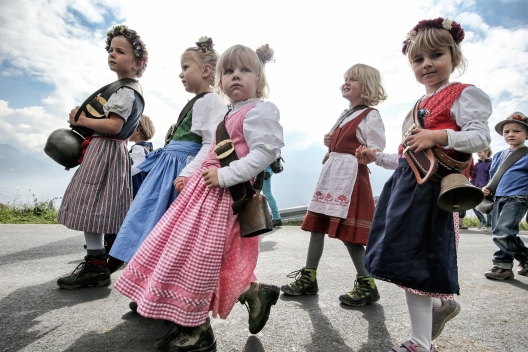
140	49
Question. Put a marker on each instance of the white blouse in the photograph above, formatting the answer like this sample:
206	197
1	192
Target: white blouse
207	113
471	111
120	103
370	131
137	154
264	136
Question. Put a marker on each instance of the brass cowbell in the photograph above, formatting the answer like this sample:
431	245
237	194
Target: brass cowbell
458	194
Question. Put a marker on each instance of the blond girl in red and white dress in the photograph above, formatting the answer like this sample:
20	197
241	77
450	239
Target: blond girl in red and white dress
195	261
421	257
342	204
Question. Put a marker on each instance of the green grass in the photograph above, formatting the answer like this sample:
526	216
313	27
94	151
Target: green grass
32	212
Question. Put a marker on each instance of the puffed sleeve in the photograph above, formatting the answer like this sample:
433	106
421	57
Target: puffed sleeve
207	113
371	131
264	137
137	155
120	103
471	111
387	161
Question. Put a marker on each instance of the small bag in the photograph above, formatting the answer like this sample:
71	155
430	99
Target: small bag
277	165
249	204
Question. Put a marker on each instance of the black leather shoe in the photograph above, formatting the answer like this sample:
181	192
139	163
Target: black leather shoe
276	223
88	273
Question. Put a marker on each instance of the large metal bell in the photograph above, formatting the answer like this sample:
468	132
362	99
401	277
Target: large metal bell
255	218
458	194
64	146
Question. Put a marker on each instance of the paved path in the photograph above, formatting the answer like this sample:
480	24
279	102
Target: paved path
37	316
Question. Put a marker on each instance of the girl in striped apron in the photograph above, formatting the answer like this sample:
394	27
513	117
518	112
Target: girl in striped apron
99	194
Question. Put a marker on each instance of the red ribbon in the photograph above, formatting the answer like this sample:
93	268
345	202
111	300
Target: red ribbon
87	141
84	145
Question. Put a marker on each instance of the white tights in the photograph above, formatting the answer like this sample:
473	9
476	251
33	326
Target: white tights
421	313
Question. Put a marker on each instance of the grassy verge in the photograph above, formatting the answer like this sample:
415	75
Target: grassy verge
35	212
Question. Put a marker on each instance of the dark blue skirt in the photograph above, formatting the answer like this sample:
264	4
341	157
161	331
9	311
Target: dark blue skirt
412	241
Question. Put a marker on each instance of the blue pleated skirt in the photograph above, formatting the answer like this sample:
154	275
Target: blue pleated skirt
154	197
412	241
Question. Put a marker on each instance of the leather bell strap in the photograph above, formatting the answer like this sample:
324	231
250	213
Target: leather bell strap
225	153
509	161
183	113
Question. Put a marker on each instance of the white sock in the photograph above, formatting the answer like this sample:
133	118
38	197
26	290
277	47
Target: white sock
94	241
421	313
437	302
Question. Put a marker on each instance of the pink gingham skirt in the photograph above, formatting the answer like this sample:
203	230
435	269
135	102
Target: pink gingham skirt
194	260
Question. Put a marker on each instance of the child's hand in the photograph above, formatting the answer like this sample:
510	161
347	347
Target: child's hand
327	139
424	139
486	191
73	112
365	155
211	178
179	183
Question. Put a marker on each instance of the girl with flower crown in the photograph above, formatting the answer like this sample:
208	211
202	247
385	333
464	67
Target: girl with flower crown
188	142
195	261
99	194
453	116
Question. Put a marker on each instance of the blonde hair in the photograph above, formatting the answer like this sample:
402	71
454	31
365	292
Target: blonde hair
432	38
240	55
202	58
146	127
370	78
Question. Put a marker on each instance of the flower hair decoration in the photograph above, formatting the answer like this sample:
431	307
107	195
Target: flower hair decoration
520	117
265	54
205	43
451	26
140	49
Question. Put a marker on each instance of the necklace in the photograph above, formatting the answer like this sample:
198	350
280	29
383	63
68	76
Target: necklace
423	112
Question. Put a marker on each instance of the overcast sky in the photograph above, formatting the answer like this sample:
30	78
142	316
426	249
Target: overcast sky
52	57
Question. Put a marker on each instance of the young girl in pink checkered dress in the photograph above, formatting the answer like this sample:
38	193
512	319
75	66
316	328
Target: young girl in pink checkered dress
195	261
421	258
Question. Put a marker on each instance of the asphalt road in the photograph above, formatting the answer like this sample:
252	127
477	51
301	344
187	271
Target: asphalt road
35	315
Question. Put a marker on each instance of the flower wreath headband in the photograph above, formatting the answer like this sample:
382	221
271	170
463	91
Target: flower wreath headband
451	26
140	49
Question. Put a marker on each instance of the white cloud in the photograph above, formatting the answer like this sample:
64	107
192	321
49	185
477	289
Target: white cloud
315	43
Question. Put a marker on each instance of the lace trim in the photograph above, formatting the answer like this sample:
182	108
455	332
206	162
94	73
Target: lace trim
438	90
243	103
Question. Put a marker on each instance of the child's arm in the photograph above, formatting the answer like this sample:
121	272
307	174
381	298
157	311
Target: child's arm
111	125
117	110
385	160
264	137
137	155
207	113
371	132
471	111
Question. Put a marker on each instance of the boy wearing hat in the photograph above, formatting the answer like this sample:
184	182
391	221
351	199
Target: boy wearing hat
511	201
